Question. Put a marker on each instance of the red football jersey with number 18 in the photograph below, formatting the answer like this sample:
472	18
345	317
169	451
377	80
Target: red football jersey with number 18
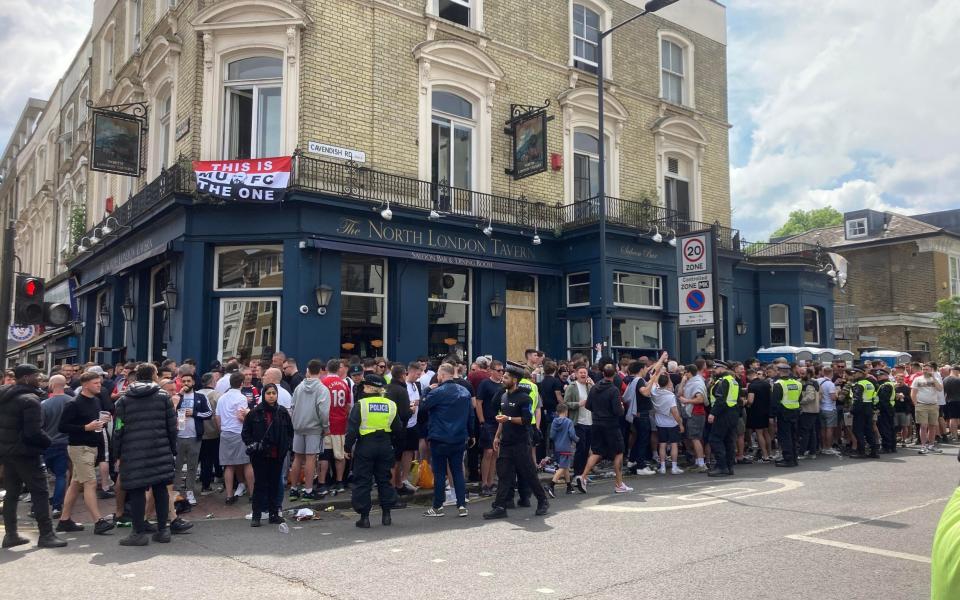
339	404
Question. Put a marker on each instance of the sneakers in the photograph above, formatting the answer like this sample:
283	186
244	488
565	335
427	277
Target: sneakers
434	512
676	470
295	494
409	487
178	526
191	499
581	484
162	536
542	508
102	527
68	526
462	511
646	471
241	490
936	449
662	470
231	500
496	512
699	469
308	496
485	492
548	488
922	450
339	487
105	494
622	489
135	539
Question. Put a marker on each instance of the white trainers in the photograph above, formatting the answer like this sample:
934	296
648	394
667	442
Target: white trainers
434	512
662	470
241	490
646	471
462	511
191	498
676	470
622	489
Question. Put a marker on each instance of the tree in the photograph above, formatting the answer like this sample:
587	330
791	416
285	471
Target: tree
948	323
801	221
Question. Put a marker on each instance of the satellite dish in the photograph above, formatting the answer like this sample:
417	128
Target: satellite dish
841	265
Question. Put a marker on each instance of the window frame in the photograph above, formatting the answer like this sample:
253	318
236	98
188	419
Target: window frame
218	250
606	17
953	274
659	332
589	348
785	325
577	37
535	309
153	306
256	87
468	303
99	331
241	299
439	117
567	281
816	312
854	224
688	79
474	8
108	46
659	289
382	296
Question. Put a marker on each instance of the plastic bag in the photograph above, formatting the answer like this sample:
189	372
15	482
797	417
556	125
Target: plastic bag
425	475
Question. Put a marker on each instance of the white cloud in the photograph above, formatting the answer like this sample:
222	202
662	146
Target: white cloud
38	40
850	104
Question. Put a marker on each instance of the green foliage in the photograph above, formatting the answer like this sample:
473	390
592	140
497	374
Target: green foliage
805	220
948	323
78	225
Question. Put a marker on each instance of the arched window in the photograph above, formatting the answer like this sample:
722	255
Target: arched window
452	138
676	69
586	165
253	89
779	324
588	18
106	58
163	131
581	144
811	325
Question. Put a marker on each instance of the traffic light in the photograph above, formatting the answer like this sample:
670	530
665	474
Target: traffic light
56	314
28	300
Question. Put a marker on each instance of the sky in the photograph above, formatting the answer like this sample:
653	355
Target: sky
843	103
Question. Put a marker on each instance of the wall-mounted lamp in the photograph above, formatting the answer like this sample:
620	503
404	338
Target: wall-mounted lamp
103	317
323	292
496	306
170	295
128	309
741	327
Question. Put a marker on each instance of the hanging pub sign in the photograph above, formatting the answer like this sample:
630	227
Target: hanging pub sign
116	141
249	180
528	129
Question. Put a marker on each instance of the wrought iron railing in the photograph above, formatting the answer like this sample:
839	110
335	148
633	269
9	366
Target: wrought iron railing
785	250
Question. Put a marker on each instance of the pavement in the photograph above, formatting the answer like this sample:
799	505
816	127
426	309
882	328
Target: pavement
830	529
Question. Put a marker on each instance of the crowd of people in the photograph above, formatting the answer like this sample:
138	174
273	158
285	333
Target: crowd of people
155	436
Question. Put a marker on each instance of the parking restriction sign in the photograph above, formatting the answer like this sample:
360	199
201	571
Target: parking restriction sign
696	300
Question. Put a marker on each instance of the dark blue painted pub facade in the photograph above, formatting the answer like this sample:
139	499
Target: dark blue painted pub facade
177	238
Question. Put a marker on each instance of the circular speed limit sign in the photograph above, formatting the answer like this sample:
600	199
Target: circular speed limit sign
693	250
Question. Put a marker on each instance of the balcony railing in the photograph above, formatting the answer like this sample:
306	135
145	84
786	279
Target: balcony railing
782	251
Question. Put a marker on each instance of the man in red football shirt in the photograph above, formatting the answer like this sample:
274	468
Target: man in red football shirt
340	401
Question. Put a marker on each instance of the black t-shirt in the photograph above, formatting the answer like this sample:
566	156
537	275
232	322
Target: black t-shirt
903	403
488	393
644	403
760	388
515	404
548	392
951	388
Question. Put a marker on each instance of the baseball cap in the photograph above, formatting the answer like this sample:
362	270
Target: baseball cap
354	369
96	369
24	370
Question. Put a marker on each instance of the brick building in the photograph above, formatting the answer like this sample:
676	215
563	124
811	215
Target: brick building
418	91
899	267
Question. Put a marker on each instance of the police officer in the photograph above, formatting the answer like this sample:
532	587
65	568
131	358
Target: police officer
886	398
864	402
512	441
373	420
723	419
527	385
785	400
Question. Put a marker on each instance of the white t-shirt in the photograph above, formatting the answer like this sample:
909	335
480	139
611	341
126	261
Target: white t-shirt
926	390
584	417
414	398
223	384
941	395
284	398
426	378
663	401
828	395
227	407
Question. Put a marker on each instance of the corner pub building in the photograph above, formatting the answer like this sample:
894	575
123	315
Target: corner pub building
417	242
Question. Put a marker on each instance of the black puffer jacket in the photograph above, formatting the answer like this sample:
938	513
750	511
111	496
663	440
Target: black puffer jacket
21	422
145	436
277	440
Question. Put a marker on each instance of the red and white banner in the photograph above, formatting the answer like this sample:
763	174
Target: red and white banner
252	180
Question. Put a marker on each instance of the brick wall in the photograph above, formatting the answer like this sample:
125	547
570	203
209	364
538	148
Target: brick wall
891	279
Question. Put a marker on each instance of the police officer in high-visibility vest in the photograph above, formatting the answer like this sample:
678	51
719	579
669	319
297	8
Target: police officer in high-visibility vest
723	418
864	403
372	425
785	402
886	398
526	385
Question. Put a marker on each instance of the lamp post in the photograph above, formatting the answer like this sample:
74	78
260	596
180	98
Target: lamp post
649	7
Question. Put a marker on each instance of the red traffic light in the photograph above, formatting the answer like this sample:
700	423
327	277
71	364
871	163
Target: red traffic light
30	288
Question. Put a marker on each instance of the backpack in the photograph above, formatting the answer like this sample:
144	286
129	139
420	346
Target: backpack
810	394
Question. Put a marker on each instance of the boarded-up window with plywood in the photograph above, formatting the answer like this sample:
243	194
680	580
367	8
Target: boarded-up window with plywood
521	315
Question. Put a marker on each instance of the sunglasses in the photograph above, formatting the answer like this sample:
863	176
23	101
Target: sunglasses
498	370
381	366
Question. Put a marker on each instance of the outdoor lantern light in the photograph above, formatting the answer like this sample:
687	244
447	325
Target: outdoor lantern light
94	240
77	327
81	247
496	306
656	236
106	229
170	295
741	327
386	213
536	240
434	215
128	309
103	318
673	238
323	292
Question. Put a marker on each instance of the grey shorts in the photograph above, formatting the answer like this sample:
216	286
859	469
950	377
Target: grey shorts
901	419
829	418
694	427
309	443
232	449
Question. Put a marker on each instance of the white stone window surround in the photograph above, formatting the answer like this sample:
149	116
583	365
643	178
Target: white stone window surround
579	108
681	137
466	70
606	22
689	50
237	29
160	74
476	12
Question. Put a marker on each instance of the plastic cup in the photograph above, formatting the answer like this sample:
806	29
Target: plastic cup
181	419
104	417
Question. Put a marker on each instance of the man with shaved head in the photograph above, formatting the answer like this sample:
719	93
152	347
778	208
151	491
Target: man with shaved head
56	455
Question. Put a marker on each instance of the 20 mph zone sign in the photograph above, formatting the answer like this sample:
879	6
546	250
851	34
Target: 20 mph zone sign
693	255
